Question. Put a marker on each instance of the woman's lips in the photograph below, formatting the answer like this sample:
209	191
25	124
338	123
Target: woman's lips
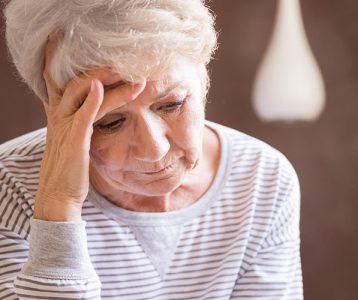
162	171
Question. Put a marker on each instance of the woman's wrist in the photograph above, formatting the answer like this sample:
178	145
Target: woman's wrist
58	250
57	211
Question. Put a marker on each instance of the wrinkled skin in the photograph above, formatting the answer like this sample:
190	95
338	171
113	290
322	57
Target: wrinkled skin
143	146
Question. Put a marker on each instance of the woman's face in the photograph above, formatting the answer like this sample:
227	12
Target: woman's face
148	146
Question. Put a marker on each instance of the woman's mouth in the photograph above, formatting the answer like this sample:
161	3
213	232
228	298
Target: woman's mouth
162	171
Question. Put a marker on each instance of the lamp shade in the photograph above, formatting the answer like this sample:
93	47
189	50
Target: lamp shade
288	85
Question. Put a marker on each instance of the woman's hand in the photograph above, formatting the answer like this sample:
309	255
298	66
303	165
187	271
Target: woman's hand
64	175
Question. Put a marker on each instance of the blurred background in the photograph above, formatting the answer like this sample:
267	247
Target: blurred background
324	152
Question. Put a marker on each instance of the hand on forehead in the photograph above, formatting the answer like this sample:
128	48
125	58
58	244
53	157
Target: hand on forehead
119	92
76	91
78	88
125	92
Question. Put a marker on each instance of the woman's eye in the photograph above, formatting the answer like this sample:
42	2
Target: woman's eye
172	107
108	127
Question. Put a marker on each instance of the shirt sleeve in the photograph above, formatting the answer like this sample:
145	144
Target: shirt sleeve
55	264
275	271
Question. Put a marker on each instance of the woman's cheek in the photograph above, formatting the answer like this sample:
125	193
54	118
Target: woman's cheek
189	137
101	152
96	156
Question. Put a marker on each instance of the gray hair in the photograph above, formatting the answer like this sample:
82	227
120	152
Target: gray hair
138	38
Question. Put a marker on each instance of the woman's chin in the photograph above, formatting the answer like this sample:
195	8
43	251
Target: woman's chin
151	183
157	186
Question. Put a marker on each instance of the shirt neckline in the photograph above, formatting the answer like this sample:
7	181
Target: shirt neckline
176	217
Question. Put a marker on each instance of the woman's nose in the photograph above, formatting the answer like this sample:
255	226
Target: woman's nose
150	142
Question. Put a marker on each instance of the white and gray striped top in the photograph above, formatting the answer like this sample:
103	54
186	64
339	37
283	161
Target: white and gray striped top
239	241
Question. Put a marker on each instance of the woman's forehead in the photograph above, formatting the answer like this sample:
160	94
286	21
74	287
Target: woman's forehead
181	75
156	91
185	79
179	79
160	89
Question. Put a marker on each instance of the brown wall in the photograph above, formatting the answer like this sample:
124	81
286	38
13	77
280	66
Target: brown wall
324	153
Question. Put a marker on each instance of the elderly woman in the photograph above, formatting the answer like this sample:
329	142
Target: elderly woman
129	193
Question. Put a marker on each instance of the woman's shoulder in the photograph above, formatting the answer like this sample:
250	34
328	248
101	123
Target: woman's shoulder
20	161
246	150
254	166
20	158
261	183
24	145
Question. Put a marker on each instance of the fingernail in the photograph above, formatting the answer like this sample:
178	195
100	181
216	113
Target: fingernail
55	34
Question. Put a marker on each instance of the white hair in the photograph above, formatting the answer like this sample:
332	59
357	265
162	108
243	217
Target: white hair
139	38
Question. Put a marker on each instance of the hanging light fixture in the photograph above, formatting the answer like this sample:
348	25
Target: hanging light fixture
288	85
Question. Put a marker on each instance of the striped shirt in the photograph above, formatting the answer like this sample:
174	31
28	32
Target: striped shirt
240	240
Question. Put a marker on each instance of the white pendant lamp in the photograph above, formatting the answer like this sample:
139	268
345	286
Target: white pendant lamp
288	85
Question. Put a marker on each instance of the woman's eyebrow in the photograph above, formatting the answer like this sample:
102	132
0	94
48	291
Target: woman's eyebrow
114	85
170	89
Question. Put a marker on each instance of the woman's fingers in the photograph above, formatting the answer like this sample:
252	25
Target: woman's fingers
114	99
78	88
53	91
116	92
86	115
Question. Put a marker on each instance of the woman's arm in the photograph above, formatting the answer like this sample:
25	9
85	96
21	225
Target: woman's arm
54	262
71	113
